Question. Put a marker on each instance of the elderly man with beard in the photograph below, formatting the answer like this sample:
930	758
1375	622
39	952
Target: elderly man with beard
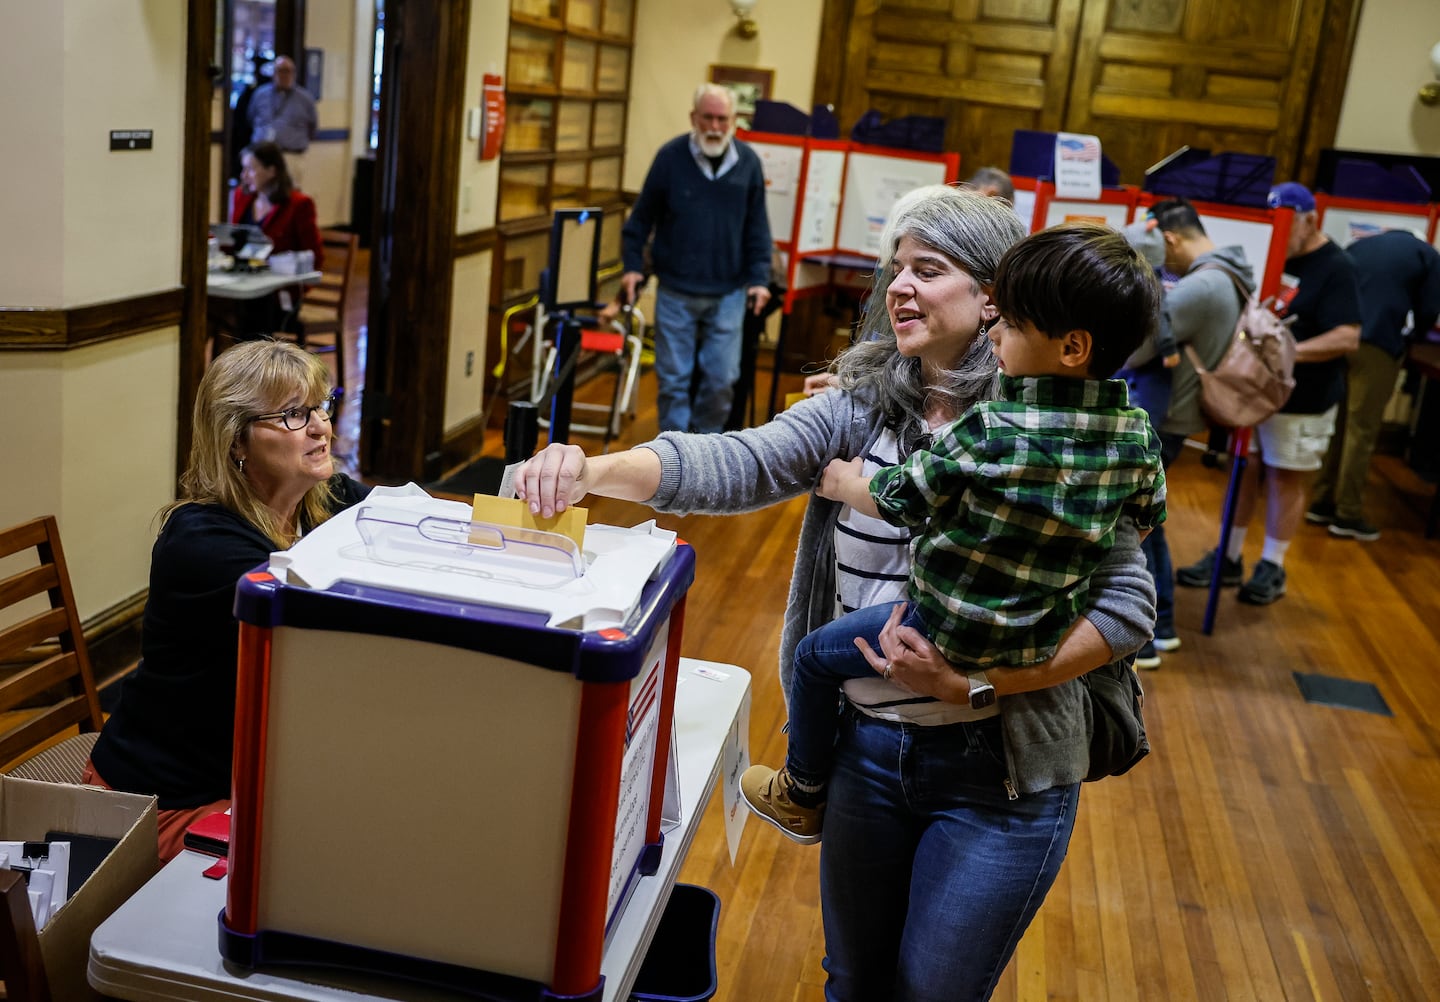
704	203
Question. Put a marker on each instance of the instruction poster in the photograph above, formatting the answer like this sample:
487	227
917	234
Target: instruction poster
1077	166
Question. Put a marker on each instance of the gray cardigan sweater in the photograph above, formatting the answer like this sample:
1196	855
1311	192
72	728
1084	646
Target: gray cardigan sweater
1046	732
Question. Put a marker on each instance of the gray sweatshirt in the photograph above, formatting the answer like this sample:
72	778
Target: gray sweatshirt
1047	732
1202	308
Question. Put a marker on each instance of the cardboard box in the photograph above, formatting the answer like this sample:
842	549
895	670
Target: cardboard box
28	810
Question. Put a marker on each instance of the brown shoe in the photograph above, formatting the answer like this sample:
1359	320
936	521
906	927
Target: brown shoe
767	794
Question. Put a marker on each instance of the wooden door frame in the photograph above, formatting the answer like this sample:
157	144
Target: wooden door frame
413	250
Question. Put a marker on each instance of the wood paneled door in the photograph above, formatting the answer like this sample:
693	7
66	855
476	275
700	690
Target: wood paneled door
1146	76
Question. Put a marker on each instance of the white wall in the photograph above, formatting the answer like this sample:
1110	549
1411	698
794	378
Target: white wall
675	43
1391	61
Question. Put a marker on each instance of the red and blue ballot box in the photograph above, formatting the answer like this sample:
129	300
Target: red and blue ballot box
451	743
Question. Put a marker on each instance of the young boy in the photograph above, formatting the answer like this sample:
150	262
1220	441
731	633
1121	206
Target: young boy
1013	506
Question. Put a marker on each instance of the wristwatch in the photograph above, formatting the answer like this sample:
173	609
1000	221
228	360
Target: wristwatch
982	693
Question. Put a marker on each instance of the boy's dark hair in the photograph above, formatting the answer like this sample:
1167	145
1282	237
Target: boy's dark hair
1081	277
1177	215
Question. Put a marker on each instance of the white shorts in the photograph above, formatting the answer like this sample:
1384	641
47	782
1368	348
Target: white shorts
1295	441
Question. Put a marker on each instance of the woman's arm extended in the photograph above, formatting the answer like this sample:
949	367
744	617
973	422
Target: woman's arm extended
561	475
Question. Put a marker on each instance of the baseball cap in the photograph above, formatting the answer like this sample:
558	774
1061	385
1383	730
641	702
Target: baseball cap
1291	195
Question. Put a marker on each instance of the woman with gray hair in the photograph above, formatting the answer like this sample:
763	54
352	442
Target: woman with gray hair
260	476
944	830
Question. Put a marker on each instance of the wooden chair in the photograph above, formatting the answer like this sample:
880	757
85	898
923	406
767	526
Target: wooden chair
322	311
58	685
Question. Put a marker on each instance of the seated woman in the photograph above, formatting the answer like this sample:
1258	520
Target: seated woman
260	476
266	197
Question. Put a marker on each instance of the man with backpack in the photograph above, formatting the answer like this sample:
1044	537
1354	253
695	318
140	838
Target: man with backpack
1201	310
1321	292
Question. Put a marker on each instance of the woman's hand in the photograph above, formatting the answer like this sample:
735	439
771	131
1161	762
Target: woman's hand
552	479
911	661
819	382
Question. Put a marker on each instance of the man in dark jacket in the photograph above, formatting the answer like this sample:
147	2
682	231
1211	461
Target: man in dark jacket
1399	275
704	202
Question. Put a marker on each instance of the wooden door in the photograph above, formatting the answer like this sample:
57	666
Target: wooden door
988	67
1146	76
1151	76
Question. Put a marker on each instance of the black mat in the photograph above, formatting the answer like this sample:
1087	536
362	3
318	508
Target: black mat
1345	693
480	477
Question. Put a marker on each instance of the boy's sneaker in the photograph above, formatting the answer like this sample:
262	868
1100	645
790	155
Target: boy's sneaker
1354	528
1320	513
1166	642
767	793
1147	659
1265	586
1198	574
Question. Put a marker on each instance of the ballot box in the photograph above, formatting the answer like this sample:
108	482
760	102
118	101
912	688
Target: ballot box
451	746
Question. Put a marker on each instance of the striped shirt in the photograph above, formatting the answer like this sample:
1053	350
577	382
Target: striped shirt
1014	506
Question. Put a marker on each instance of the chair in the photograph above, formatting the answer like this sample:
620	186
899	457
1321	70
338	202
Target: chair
58	684
322	311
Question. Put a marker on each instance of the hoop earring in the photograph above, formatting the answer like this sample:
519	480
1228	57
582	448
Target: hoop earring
984	328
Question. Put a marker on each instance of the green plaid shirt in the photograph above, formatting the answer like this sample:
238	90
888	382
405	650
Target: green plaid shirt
1014	505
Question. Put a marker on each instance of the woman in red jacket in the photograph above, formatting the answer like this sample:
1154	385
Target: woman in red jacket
267	197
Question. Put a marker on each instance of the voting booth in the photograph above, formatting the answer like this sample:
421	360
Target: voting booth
451	745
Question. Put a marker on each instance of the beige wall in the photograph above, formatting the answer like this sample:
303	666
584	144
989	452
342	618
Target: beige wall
675	43
1391	61
92	442
475	211
90	433
329	166
106	64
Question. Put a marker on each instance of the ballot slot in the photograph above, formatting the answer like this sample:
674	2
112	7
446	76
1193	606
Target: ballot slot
531	558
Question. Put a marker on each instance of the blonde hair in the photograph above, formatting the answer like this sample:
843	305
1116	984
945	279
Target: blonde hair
254	377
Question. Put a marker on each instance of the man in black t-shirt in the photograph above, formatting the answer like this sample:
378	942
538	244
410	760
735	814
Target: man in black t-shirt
1399	278
1321	292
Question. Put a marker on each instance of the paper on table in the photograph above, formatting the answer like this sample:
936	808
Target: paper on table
735	759
514	512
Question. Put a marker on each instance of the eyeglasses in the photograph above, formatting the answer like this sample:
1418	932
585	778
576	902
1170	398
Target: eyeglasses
295	418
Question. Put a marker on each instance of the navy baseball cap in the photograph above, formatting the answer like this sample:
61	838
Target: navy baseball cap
1291	195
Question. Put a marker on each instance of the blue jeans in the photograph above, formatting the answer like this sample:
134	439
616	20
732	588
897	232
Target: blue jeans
825	660
929	874
697	332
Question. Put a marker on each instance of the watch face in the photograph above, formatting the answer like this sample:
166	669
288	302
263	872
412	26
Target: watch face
981	697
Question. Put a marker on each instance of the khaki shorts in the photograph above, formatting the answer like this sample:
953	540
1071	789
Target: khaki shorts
1294	441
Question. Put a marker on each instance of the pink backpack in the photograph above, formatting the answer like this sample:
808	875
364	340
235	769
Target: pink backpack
1255	376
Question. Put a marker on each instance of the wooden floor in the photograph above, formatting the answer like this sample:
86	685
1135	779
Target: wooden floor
1269	849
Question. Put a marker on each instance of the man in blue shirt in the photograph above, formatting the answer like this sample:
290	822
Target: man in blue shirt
704	202
284	114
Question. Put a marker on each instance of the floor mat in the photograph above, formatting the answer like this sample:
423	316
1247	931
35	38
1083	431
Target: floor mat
1327	690
480	477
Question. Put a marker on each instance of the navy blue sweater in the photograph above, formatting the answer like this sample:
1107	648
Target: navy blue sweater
1398	273
711	237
